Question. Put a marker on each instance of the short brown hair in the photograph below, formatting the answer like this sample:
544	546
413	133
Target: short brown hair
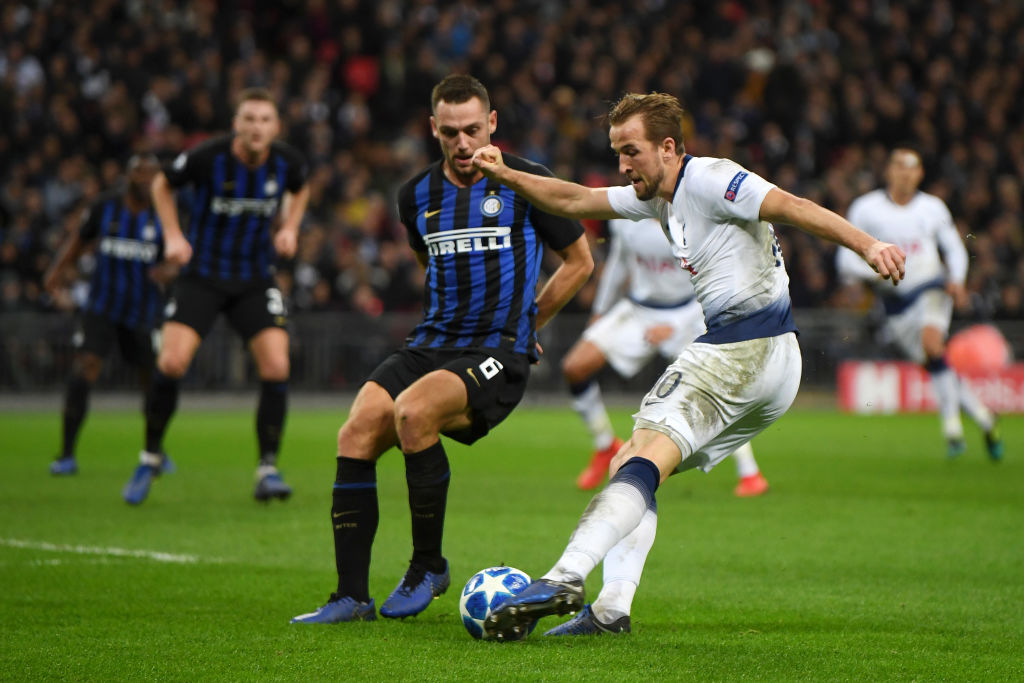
662	116
256	95
459	88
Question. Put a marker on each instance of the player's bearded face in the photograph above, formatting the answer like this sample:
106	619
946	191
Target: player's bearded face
256	125
461	129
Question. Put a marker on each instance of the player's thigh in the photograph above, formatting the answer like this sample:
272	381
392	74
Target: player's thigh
178	345
711	388
369	429
583	361
137	345
619	334
194	303
256	308
269	349
94	335
933	308
494	381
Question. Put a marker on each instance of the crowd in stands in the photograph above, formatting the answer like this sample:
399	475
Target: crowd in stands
810	94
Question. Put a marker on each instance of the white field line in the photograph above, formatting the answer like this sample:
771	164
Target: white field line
154	555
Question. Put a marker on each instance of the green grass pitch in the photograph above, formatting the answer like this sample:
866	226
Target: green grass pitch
872	558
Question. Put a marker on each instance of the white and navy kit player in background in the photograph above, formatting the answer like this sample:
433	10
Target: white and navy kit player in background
659	314
465	366
918	313
125	300
249	194
724	388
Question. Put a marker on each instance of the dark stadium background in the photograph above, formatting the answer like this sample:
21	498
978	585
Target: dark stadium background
808	94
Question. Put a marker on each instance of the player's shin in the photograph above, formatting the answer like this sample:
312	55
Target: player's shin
76	405
973	406
610	517
161	402
354	517
944	382
587	402
623	566
427	474
270	414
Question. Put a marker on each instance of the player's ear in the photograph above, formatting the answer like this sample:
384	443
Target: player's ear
492	121
433	127
668	147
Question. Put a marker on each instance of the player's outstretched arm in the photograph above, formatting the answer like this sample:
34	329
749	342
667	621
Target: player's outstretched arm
577	265
780	206
550	195
177	250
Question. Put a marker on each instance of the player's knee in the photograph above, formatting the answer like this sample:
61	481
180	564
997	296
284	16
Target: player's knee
173	365
571	370
364	432
413	420
274	369
88	367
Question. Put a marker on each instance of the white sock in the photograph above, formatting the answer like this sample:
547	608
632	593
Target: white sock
743	456
151	459
973	406
622	568
945	383
590	407
611	516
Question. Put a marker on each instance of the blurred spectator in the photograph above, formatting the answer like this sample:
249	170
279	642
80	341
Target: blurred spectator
812	94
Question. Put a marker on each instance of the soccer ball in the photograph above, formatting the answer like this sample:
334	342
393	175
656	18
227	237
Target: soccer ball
484	591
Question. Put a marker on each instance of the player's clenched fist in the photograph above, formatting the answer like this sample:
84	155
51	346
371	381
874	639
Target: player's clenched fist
488	159
888	260
177	250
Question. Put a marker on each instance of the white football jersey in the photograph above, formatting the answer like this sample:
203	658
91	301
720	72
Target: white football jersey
732	255
641	258
922	228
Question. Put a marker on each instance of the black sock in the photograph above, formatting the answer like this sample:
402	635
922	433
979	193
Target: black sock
161	401
354	517
427	474
270	419
76	404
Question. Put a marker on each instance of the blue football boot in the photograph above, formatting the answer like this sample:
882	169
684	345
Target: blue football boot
955	448
150	467
270	485
414	592
64	466
586	624
514	618
338	610
994	443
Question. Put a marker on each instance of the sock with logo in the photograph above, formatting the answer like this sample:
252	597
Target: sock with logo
354	518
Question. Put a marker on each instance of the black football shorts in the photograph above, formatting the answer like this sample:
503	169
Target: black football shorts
495	380
250	307
95	334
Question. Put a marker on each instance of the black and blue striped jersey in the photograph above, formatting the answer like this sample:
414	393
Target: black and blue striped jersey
484	246
128	245
233	206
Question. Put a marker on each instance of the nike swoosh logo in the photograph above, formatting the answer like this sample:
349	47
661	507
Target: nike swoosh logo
428	214
335	515
469	371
